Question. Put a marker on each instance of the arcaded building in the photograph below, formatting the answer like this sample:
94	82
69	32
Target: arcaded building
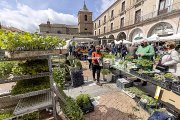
135	19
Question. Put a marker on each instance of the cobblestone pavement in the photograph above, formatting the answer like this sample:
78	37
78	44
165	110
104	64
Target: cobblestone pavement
111	103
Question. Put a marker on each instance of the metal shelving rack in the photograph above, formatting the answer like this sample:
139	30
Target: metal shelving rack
32	101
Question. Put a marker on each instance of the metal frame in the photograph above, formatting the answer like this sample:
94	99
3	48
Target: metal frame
34	96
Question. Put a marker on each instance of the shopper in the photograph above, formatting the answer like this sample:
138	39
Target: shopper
90	51
171	58
145	51
132	50
97	63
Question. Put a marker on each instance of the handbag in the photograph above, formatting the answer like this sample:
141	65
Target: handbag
161	67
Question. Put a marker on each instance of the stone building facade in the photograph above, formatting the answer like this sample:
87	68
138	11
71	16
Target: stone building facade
58	28
84	27
135	19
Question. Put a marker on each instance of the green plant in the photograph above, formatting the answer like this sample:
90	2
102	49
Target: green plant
169	75
72	110
83	100
30	85
30	116
150	100
158	77
6	68
105	71
129	57
109	56
12	41
5	115
59	75
136	91
78	63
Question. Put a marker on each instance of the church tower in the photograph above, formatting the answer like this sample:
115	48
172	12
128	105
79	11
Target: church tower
85	23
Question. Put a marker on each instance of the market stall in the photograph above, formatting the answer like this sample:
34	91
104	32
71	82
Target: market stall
163	87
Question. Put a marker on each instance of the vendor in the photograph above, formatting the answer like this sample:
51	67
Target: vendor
145	51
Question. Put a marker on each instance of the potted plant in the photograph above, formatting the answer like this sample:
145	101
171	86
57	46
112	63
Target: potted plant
107	75
84	102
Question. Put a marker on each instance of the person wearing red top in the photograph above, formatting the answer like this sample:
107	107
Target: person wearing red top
97	63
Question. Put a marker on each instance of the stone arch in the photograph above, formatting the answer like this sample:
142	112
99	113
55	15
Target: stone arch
104	40
161	29
121	36
111	38
136	34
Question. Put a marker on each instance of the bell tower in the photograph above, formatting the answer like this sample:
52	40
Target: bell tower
85	23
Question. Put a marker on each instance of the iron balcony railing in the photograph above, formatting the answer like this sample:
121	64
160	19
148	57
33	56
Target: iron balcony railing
154	14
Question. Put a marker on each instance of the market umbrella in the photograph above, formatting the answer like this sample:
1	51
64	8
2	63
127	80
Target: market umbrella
122	41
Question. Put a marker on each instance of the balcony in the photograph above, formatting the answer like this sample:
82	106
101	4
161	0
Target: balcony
170	10
138	3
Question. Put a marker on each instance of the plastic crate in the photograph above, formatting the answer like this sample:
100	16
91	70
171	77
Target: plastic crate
176	88
123	83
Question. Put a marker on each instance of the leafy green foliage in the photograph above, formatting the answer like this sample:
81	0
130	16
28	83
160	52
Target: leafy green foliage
30	116
77	63
136	91
59	75
30	67
105	71
109	56
5	115
158	77
6	68
26	41
145	63
169	75
150	100
83	100
30	85
72	110
129	57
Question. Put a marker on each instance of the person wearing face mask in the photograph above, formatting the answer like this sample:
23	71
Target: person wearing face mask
171	58
97	63
145	51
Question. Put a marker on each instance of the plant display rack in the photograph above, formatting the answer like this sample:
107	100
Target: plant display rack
32	101
174	89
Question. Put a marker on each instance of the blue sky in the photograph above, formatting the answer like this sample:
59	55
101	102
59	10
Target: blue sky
28	14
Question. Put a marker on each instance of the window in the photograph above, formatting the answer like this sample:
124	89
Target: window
123	6
99	31
104	19
111	26
163	6
122	22
47	31
138	16
137	1
112	13
85	17
95	33
104	29
99	22
95	25
85	29
59	32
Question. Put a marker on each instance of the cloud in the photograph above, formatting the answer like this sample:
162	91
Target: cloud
28	19
105	4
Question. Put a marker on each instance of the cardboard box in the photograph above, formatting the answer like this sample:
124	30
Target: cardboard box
171	99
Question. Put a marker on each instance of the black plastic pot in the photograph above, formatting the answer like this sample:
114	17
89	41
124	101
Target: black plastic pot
88	108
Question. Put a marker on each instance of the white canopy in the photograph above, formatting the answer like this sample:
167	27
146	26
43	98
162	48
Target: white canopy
175	37
84	40
120	41
153	38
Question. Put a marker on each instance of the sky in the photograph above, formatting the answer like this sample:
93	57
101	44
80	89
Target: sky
28	14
